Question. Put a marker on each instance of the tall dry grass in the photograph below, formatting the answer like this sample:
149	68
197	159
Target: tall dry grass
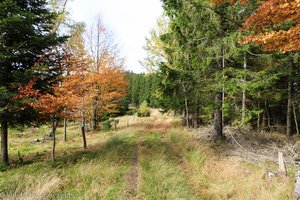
218	177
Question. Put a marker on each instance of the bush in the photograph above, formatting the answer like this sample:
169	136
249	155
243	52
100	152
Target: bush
106	125
3	167
144	110
109	123
131	112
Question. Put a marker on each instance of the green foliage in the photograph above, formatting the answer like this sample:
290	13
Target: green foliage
3	167
142	87
26	29
197	54
107	124
131	112
144	110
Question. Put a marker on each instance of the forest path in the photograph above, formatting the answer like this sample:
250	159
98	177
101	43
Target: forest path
131	178
155	171
149	158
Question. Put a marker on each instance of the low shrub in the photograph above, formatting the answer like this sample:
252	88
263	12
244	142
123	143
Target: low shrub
144	110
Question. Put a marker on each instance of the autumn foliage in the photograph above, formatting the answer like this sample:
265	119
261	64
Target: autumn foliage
275	26
77	90
46	104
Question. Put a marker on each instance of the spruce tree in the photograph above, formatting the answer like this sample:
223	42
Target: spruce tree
26	34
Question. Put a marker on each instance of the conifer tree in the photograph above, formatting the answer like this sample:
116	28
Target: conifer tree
26	30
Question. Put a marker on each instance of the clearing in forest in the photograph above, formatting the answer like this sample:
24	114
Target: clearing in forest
147	158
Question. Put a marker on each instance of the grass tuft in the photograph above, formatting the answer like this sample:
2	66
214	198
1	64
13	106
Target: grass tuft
168	164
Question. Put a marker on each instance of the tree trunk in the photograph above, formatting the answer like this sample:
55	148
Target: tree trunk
218	122
223	87
186	111
198	115
65	126
264	119
289	111
94	118
54	124
244	92
4	142
65	129
268	115
295	118
258	117
83	133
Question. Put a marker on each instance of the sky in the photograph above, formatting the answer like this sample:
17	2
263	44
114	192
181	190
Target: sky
130	21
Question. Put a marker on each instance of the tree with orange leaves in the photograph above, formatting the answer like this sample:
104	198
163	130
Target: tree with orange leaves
80	86
76	93
52	103
78	81
48	105
105	54
109	87
275	26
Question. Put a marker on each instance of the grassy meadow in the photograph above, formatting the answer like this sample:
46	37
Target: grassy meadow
145	158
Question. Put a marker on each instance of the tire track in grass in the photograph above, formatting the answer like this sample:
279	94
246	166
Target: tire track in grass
162	176
131	179
187	152
177	152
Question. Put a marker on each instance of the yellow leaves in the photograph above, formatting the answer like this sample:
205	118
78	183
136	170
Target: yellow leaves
285	5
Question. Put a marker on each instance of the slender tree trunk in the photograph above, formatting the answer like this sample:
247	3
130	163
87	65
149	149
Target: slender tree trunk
54	124
4	141
83	133
258	117
264	119
185	90
268	115
98	47
223	87
295	118
244	92
219	105
289	111
186	111
198	115
243	106
94	116
83	124
218	124
65	129
65	126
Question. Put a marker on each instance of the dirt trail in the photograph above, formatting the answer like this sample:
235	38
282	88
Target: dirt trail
131	179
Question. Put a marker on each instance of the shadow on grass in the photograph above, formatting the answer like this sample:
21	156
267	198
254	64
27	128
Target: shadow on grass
153	145
117	149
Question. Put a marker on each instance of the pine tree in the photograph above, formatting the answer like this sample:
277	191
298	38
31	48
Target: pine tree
26	30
